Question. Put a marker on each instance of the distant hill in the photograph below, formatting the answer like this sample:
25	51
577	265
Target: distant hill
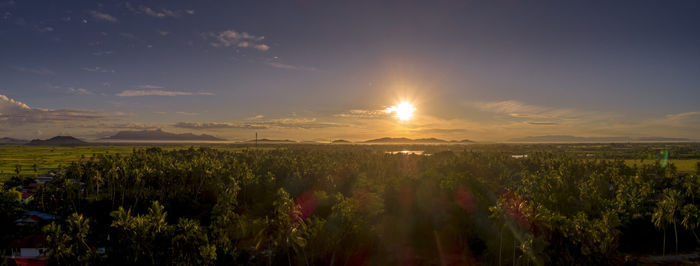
12	141
272	141
340	141
58	141
568	138
413	141
463	141
160	135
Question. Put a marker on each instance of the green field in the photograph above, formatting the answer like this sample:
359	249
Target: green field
683	165
53	158
48	158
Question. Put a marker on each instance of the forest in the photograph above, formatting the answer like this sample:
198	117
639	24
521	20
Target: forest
359	205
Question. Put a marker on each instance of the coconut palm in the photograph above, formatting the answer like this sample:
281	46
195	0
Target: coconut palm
667	212
691	219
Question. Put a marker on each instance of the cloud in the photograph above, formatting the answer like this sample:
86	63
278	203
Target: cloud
518	109
79	91
158	13
163	33
98	69
103	16
693	117
304	123
232	38
46	29
186	113
38	71
544	115
291	67
129	35
295	123
13	112
129	125
257	117
132	93
149	87
543	123
217	125
364	114
163	13
101	53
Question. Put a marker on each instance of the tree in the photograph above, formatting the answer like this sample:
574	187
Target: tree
190	244
141	239
691	219
69	246
667	212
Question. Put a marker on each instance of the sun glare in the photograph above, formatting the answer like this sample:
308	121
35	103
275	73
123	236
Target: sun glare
403	111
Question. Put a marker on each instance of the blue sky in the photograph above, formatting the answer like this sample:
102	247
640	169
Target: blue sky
312	70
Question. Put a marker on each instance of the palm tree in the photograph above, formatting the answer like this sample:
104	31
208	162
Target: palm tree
70	245
691	185
691	219
667	212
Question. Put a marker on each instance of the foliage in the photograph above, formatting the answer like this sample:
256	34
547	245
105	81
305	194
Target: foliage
319	205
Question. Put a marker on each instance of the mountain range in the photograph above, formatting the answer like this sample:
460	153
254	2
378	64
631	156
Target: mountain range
12	141
569	139
159	134
58	141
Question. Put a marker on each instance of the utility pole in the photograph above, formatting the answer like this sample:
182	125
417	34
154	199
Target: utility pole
256	139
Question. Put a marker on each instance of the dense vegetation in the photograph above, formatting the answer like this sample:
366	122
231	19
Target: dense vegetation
353	204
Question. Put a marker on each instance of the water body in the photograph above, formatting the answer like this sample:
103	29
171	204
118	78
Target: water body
407	152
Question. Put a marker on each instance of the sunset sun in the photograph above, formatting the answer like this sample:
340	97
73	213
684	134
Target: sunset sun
403	111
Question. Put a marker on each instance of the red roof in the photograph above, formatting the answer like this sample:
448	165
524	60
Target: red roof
33	241
30	262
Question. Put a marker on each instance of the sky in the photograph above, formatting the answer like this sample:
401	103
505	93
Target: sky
318	70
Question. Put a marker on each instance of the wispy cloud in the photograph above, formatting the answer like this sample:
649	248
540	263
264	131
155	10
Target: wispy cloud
79	91
257	117
519	109
233	38
364	114
289	123
158	12
217	125
290	67
101	53
163	13
542	115
149	87
98	69
127	125
13	112
38	71
45	29
102	16
133	93
186	113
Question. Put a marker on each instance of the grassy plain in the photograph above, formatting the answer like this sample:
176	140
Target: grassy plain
48	158
52	158
682	165
684	156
